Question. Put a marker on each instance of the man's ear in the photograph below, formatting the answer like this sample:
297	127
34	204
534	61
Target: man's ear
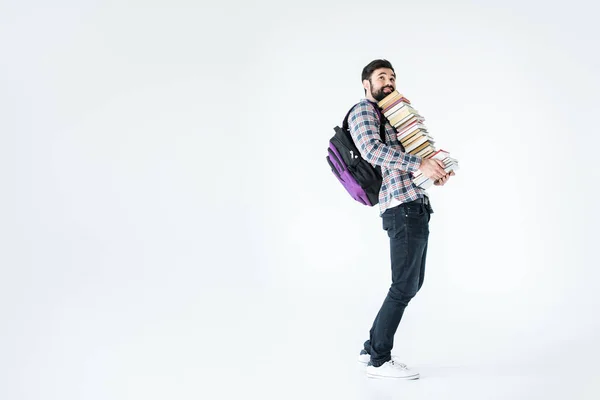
367	85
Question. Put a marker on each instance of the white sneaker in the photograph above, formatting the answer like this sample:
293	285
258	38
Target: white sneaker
365	357
391	369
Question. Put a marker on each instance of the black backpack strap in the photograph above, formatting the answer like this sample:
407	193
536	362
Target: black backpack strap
381	121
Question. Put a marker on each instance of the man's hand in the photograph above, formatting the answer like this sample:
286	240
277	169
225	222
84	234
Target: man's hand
432	168
444	179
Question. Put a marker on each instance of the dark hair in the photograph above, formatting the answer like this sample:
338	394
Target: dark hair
372	66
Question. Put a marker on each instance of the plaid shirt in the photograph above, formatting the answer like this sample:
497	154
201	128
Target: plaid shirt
396	165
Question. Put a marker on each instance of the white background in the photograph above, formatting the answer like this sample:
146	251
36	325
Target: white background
170	229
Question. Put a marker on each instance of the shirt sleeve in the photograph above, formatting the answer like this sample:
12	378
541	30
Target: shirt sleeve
363	124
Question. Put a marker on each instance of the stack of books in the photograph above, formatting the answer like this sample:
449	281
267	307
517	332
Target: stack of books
413	135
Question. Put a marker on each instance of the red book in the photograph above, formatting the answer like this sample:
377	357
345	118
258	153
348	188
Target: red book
440	151
395	103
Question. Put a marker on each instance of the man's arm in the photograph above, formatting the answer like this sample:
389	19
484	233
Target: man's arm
363	124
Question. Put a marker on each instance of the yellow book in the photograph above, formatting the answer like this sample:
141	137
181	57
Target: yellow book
407	121
403	113
427	153
420	148
397	110
388	99
415	134
423	151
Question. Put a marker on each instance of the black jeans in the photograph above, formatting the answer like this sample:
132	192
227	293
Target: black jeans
407	226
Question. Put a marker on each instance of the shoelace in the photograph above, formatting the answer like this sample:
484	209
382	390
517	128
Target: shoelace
403	366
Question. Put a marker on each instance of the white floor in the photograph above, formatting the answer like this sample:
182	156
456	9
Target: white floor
278	345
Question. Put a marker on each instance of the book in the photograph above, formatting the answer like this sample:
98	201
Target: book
414	137
427	153
389	98
420	143
408	121
415	126
412	133
399	116
394	105
425	150
395	111
416	149
409	138
426	183
442	155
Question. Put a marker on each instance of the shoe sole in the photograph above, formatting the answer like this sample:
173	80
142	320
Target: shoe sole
411	377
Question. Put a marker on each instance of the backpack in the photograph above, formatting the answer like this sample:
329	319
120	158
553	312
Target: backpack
361	179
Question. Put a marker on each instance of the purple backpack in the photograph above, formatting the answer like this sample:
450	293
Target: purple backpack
361	179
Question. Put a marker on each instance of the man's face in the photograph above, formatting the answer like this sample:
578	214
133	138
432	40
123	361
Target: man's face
381	83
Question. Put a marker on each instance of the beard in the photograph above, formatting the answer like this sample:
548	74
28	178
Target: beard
381	94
